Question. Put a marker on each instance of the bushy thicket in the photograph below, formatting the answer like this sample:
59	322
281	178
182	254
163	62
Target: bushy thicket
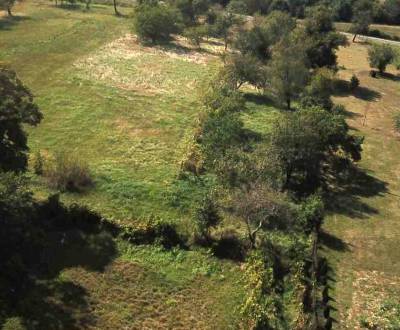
157	22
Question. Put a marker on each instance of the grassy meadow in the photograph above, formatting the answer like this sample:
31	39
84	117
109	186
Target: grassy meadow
128	110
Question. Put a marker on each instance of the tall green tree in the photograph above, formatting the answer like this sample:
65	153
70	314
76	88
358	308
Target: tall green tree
380	56
288	71
308	143
362	17
321	39
16	109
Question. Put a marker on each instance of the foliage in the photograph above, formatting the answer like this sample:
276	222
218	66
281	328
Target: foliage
38	163
321	40
207	216
240	69
68	173
260	310
223	26
306	142
354	82
380	56
319	90
16	108
288	71
153	231
262	209
362	18
156	22
191	9
195	34
19	238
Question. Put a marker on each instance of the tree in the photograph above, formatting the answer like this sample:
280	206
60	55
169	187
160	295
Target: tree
319	90
156	22
265	33
288	71
223	26
16	108
392	11
380	55
308	143
320	38
261	208
115	8
362	17
240	69
7	5
195	34
207	216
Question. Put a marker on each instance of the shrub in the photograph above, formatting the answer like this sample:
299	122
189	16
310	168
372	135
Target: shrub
380	56
195	34
207	216
38	163
354	82
396	119
154	230
157	22
68	173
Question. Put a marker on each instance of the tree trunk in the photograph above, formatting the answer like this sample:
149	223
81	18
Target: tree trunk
9	11
115	8
354	38
288	103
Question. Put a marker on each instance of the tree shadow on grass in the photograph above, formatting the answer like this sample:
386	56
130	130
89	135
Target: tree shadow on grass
71	237
332	242
259	99
346	195
7	23
390	76
363	93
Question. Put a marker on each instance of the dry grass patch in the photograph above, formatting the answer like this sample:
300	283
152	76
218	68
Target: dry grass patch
125	63
370	290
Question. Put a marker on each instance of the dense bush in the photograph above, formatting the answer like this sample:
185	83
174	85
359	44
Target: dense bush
195	34
354	82
154	231
16	109
380	56
207	216
68	173
156	23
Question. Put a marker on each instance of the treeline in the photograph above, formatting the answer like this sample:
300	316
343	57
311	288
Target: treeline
276	185
385	12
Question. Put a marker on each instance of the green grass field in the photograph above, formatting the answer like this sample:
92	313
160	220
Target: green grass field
128	111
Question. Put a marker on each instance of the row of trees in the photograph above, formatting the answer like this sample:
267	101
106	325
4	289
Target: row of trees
274	184
387	11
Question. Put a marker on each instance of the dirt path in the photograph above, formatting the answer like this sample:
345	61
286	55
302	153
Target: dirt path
363	233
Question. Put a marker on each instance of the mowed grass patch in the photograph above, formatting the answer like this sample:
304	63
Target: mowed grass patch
363	223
